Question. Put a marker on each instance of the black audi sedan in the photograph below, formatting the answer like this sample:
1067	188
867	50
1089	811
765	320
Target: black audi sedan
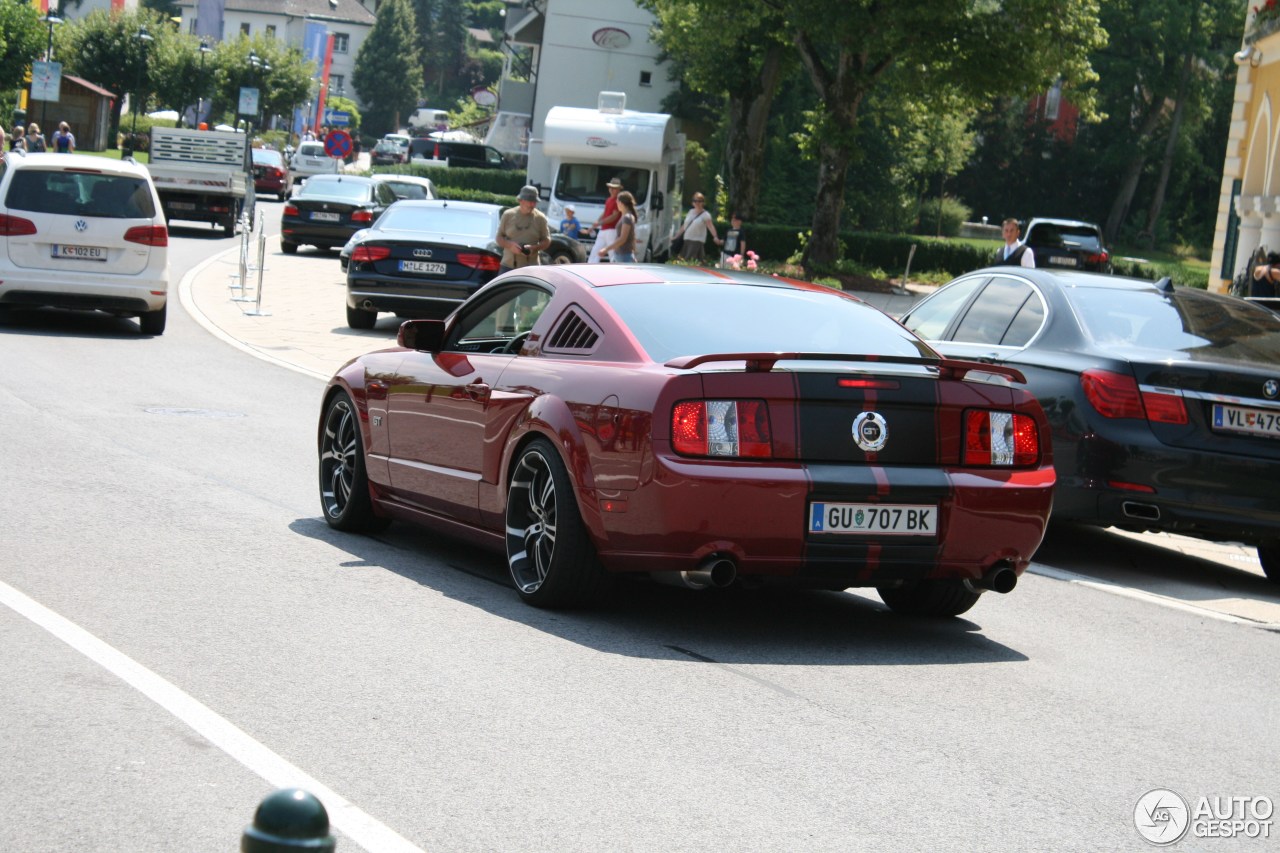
330	208
421	259
1164	402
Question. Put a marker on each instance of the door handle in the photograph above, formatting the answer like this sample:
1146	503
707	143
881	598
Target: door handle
478	391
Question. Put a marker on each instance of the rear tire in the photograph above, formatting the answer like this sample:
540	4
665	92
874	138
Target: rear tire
153	322
552	561
929	598
1269	556
344	485
358	318
288	248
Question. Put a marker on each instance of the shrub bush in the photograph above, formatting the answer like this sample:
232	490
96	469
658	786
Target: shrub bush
954	214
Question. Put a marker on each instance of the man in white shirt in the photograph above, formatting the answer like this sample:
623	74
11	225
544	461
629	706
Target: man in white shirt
1014	252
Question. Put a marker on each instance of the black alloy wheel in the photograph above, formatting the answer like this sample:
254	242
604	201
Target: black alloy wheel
552	562
344	485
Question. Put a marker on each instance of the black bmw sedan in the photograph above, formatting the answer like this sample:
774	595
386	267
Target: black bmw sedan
421	259
1164	402
330	208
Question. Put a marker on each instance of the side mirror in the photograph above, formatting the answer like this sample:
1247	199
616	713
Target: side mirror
423	335
658	202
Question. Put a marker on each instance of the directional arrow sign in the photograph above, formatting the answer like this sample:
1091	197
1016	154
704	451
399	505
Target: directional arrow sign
337	118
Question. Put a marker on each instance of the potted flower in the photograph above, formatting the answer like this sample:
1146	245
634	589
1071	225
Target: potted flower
1266	20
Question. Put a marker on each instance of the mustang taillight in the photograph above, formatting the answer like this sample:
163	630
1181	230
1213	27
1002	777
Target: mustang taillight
290	210
370	253
734	428
148	235
480	261
1115	395
15	226
362	216
1000	438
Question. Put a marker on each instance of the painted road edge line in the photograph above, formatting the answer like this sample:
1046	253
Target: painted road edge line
360	827
1142	595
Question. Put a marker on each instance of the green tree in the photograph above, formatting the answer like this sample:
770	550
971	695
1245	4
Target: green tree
281	86
978	47
739	54
22	40
105	48
388	70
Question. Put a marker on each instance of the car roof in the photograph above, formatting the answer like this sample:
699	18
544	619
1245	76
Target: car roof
481	206
613	275
1073	278
1070	222
341	178
76	161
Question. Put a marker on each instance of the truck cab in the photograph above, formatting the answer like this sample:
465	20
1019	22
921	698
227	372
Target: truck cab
583	149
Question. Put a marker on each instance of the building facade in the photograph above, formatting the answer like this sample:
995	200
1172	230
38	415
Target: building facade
348	21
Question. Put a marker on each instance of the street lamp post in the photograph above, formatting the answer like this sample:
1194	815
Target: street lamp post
144	37
205	50
52	20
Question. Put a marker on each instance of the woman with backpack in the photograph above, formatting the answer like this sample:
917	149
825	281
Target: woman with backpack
35	139
64	141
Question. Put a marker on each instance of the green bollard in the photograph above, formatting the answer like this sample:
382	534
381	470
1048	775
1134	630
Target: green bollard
287	821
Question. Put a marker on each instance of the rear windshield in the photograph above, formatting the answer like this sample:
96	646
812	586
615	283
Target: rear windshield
1201	325
1066	236
439	220
312	149
265	156
672	320
346	190
80	194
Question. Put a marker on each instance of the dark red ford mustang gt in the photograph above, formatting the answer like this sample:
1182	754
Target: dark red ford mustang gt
702	427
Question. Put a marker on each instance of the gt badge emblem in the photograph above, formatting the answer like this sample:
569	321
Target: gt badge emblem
1271	388
870	431
422	253
81	225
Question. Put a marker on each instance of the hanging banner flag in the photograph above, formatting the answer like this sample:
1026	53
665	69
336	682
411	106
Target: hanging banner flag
324	77
314	37
208	17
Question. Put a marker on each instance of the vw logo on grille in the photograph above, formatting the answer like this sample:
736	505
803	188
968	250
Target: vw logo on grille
426	253
81	225
1271	388
870	431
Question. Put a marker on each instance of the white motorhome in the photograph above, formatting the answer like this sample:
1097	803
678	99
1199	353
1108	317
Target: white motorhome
582	149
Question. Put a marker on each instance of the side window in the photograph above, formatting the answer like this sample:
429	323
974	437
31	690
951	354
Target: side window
931	318
993	311
505	315
1026	323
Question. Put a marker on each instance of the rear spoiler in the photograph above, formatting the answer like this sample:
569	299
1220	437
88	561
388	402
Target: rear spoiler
763	362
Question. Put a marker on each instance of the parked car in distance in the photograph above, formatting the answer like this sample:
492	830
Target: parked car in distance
1164	401
388	152
706	428
329	209
271	173
469	155
83	233
429	119
311	159
1067	244
408	186
421	259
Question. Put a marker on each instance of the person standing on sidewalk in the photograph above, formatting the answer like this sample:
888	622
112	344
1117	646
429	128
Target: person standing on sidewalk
606	226
694	230
1014	252
523	232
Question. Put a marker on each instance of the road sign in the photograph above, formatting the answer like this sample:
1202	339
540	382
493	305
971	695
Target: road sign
337	118
248	101
337	144
46	81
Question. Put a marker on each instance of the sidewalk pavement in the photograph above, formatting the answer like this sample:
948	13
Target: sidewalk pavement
303	320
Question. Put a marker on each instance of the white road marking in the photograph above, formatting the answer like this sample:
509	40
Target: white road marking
360	827
1149	597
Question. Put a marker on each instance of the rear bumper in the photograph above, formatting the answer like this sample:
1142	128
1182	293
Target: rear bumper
758	517
84	291
296	231
374	292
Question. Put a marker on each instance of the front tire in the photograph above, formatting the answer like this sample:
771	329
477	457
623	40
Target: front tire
358	318
1269	556
929	598
153	322
552	562
344	485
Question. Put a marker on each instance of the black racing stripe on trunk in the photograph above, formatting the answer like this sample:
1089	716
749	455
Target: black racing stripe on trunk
827	412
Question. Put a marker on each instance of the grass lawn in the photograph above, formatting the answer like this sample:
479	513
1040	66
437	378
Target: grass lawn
114	154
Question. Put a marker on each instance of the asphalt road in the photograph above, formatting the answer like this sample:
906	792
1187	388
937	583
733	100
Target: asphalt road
181	633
